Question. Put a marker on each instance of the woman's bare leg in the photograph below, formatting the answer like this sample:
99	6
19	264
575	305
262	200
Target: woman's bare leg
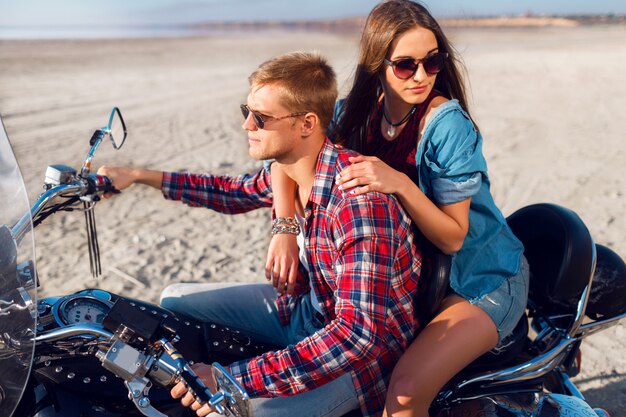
460	333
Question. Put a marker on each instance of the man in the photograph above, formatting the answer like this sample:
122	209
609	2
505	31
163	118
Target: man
346	329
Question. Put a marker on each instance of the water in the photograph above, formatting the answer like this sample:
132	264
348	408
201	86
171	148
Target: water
100	32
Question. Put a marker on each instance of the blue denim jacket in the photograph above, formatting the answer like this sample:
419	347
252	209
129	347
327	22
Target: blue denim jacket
452	168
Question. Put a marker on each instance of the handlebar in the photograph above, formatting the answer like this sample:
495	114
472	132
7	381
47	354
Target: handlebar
87	189
23	225
191	380
62	180
74	330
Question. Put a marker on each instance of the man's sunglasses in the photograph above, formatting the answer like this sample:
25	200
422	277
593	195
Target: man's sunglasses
260	119
406	68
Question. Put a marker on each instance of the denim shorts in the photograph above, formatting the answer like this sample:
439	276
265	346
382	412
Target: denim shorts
506	304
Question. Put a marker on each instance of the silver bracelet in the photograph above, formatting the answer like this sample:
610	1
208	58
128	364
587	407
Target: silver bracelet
285	225
287	221
291	230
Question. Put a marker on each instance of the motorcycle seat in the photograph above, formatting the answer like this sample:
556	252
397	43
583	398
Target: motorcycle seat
560	252
434	281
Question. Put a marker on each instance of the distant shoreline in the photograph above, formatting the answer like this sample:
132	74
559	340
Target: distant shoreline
507	22
342	26
535	21
355	24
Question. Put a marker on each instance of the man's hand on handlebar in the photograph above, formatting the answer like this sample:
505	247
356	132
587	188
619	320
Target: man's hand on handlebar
181	390
123	177
120	177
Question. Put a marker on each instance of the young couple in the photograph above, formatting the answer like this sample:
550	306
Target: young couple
344	258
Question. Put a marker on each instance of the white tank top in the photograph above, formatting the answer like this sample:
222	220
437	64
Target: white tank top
302	255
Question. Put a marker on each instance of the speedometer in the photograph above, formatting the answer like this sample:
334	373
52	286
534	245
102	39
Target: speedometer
84	310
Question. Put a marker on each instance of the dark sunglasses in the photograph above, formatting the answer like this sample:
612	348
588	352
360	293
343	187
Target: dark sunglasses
406	68
260	119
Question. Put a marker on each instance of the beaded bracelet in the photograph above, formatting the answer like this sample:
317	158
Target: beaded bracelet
285	225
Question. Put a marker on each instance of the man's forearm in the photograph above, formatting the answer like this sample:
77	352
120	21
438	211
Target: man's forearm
124	177
148	177
225	194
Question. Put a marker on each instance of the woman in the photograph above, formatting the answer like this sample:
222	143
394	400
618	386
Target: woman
408	109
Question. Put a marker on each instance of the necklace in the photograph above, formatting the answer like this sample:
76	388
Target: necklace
391	129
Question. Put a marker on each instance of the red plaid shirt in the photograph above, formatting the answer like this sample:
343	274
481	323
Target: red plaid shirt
363	268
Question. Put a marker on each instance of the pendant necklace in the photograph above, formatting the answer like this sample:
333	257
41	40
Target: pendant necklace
391	128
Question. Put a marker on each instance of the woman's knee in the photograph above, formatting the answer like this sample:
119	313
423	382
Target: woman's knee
410	390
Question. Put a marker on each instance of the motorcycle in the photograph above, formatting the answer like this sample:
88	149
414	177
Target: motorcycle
95	353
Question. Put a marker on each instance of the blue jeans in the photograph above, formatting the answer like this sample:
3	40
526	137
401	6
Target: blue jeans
252	308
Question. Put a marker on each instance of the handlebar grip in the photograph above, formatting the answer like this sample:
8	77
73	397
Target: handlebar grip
191	380
200	391
101	184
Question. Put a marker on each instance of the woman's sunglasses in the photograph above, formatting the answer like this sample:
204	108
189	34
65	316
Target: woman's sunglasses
260	119
406	68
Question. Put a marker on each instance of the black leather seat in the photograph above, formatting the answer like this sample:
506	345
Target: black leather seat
433	283
560	252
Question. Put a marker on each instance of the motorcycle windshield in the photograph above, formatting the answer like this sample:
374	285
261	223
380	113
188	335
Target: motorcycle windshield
17	281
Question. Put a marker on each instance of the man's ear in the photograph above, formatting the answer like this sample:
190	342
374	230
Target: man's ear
310	124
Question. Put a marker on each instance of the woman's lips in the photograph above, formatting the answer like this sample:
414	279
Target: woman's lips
418	90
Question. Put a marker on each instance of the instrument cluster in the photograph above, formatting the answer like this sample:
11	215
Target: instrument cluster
83	310
88	306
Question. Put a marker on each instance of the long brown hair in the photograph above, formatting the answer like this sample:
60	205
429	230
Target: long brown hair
385	23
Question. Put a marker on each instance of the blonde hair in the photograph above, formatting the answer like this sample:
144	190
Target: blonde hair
307	83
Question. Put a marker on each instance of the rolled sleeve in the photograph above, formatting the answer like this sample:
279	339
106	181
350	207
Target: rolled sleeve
449	191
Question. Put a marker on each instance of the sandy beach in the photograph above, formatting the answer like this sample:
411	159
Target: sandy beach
549	101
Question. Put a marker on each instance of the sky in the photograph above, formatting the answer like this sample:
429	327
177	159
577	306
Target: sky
60	13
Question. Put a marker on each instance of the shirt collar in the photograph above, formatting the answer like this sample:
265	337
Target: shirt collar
329	164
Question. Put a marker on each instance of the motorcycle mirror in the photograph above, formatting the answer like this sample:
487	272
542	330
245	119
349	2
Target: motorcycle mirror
116	128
